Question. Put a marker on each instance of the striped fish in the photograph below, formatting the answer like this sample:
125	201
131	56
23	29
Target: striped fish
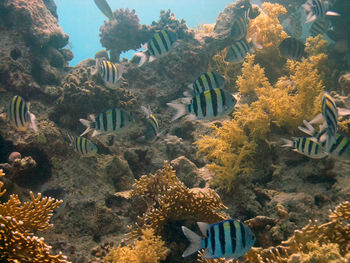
292	48
317	9
292	25
18	113
340	149
209	104
105	8
320	26
84	146
160	44
207	81
226	239
111	120
240	26
306	146
238	51
109	72
152	127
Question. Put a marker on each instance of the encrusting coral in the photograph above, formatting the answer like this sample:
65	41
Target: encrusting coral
150	249
17	222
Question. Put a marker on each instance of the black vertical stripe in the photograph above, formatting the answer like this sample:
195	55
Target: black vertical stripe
214	102
98	125
303	141
223	98
215	80
298	143
212	239
150	49
195	106
81	147
195	87
222	237
336	144
316	149
310	147
163	39
107	69
233	236
114	120
104	120
347	144
209	81
102	65
203	104
76	144
205	242
113	72
121	118
14	106
21	111
154	41
201	84
243	234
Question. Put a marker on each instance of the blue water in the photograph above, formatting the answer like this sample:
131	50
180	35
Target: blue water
81	19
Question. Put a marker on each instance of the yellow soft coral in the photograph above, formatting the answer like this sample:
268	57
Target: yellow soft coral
149	249
17	222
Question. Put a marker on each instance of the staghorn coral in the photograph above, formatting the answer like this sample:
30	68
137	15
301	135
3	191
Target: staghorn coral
17	221
172	200
149	249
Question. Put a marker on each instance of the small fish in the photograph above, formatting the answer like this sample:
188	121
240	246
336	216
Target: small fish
306	146
226	239
105	8
320	26
19	114
340	149
317	9
240	26
83	146
238	51
293	26
111	120
292	48
329	114
160	44
152	127
209	104
111	73
207	81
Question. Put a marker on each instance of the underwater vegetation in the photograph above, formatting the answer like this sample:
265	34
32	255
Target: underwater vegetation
231	147
18	222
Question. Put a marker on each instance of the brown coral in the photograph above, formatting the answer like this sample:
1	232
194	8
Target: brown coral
17	221
172	200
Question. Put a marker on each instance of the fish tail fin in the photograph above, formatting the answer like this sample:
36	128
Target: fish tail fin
86	123
195	240
142	56
308	129
180	110
287	143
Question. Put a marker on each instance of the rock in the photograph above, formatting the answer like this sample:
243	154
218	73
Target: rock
102	54
187	171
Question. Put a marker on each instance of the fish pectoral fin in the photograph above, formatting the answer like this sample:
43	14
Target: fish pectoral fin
331	13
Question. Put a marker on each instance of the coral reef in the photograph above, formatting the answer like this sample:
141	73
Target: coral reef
150	249
18	221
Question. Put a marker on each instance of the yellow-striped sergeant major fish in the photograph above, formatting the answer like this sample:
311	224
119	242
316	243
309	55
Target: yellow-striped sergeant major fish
109	121
83	146
19	114
105	8
317	9
209	104
339	149
226	239
206	81
240	25
239	49
329	118
152	126
111	73
306	146
160	44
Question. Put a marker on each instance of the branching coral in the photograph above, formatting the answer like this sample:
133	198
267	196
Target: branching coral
17	221
172	200
149	249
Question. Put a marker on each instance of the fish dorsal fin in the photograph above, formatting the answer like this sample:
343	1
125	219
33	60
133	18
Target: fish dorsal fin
203	227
